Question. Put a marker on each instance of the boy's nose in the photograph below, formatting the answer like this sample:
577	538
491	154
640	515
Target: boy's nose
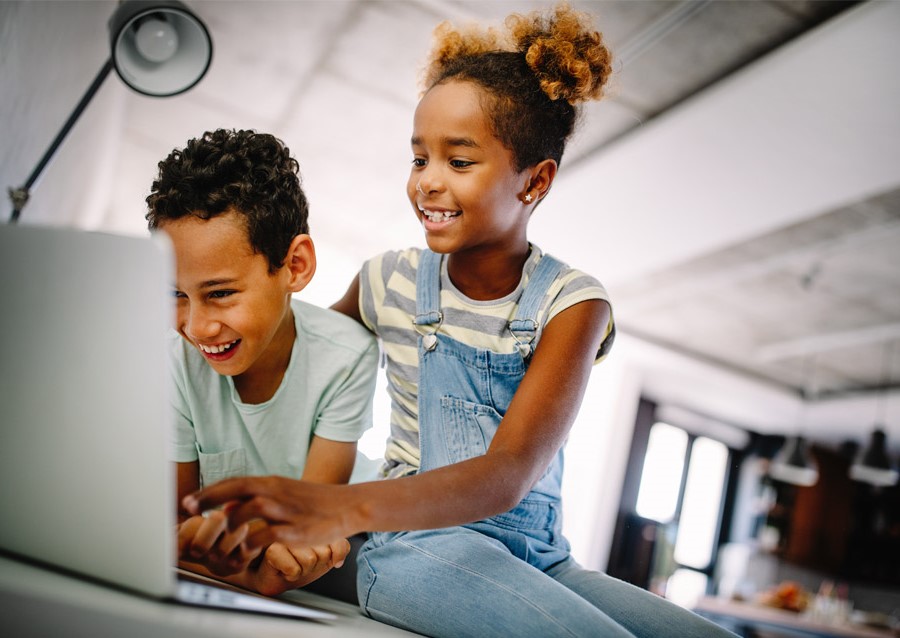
200	324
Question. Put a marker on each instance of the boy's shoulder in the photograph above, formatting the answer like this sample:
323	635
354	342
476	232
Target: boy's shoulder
330	326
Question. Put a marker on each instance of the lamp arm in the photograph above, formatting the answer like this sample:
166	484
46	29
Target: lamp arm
19	196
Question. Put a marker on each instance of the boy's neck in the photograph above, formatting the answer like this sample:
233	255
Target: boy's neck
485	277
261	382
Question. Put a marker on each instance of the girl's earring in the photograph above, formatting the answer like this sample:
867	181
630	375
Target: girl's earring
527	198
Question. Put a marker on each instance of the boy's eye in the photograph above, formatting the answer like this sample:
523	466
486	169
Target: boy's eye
458	163
178	294
221	294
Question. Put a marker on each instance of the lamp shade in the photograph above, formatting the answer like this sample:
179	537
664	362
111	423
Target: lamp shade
159	47
793	464
873	465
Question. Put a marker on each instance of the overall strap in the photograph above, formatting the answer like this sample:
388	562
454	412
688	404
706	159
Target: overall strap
525	326
428	296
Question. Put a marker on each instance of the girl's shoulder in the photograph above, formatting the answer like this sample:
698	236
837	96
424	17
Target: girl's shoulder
573	286
387	283
572	281
386	263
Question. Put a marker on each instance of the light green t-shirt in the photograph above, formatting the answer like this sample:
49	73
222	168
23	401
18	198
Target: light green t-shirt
327	390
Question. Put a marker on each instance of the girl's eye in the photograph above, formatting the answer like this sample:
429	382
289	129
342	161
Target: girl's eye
419	162
221	294
457	163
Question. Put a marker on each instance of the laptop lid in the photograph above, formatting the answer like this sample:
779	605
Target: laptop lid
85	418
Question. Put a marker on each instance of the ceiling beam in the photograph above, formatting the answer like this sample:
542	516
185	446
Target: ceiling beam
817	344
639	298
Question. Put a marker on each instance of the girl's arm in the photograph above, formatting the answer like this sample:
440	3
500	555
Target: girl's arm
349	303
534	428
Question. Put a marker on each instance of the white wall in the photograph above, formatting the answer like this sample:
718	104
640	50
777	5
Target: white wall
805	130
49	62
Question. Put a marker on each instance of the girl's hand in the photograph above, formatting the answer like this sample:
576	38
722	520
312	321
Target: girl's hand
286	567
295	512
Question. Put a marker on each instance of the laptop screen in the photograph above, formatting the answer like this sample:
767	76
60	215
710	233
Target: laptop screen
85	482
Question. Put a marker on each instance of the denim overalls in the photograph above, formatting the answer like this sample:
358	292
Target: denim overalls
511	574
464	393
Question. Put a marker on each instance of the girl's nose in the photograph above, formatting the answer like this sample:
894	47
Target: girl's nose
429	182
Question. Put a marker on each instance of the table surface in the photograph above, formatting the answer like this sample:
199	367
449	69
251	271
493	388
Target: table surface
37	602
760	616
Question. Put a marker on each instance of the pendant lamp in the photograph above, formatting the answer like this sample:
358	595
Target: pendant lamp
157	47
873	464
793	463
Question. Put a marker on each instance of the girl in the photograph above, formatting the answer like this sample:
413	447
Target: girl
489	345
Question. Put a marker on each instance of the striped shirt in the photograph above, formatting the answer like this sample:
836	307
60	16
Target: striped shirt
388	305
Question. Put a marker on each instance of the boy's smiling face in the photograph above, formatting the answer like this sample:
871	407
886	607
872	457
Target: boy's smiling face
229	306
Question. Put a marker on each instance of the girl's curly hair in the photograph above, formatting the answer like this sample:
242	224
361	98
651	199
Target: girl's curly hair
249	173
535	75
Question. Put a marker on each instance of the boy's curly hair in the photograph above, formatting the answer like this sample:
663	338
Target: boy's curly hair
249	173
534	76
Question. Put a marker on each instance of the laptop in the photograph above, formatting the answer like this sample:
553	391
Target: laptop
86	484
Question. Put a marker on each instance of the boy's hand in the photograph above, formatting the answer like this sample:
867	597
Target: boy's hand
207	541
288	567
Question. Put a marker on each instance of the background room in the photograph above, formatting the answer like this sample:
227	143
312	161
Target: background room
738	193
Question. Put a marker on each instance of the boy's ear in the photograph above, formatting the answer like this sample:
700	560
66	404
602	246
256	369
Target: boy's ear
300	262
541	177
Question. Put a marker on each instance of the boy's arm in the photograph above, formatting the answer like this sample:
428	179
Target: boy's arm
329	461
533	429
197	531
187	481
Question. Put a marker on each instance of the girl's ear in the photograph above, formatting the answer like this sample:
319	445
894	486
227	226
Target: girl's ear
541	177
300	262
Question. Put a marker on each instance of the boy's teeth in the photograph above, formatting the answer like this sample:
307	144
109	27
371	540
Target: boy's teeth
216	349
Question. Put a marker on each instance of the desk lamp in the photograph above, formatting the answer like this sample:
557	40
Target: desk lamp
157	47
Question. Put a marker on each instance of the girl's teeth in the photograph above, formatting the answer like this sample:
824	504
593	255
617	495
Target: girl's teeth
438	217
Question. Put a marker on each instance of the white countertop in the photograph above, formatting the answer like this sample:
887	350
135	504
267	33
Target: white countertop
36	602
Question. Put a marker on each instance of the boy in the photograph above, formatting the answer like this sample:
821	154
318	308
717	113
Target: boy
265	384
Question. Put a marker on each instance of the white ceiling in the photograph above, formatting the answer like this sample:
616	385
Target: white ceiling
737	192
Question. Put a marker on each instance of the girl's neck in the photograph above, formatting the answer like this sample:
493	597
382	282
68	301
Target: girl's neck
484	277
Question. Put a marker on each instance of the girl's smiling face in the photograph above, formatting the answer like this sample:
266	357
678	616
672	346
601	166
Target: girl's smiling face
229	306
463	184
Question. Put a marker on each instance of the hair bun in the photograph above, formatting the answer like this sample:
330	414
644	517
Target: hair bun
564	51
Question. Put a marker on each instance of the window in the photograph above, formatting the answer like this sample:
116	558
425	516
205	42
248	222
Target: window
673	506
661	477
701	504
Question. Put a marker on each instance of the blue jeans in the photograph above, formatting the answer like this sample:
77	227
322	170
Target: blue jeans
511	574
459	582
